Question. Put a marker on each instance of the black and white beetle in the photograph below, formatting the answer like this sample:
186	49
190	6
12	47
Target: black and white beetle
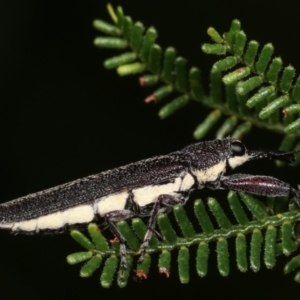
144	188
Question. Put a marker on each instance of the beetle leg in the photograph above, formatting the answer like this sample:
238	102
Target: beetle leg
131	209
131	204
157	235
161	205
259	185
110	219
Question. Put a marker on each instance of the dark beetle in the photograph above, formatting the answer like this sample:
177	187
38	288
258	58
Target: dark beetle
143	188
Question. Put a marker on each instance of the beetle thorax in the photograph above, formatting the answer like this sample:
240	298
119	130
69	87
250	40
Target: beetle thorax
211	159
208	159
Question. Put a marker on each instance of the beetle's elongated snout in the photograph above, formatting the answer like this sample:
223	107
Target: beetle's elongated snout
287	157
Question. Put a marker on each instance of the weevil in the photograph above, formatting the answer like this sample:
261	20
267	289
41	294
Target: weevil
145	189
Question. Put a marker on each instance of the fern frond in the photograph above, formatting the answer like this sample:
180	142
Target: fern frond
147	55
267	85
270	233
251	95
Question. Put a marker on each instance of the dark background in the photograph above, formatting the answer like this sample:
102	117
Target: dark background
62	117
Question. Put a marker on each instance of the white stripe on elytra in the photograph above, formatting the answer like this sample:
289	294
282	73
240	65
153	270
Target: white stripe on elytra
149	194
111	203
75	215
187	182
143	196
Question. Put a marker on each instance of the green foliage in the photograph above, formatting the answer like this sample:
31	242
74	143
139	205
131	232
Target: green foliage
270	234
145	54
248	87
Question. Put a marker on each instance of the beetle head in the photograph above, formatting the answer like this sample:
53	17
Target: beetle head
229	153
239	154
